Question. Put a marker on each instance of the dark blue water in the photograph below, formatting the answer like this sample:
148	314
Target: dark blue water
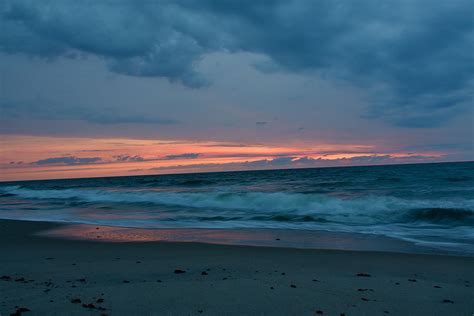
429	204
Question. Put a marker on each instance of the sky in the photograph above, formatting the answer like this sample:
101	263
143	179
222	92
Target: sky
132	87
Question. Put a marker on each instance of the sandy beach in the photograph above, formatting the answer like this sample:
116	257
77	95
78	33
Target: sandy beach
53	276
236	158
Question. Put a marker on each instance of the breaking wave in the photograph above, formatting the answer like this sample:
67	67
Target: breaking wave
275	206
443	215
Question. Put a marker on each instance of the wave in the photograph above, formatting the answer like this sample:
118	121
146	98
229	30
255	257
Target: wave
457	179
442	215
334	184
288	218
196	182
275	206
389	179
170	182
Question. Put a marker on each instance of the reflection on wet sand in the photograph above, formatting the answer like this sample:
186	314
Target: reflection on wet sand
251	237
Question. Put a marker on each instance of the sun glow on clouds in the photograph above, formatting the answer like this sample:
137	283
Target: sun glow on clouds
32	157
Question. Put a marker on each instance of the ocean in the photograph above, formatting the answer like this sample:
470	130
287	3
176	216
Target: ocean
426	204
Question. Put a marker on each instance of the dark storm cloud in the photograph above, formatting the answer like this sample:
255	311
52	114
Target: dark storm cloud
70	160
137	38
415	57
48	110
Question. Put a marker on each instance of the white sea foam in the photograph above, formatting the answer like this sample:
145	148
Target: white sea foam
368	209
451	222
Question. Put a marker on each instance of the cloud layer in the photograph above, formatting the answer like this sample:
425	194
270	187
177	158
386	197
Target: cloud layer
180	156
297	162
48	110
415	57
70	161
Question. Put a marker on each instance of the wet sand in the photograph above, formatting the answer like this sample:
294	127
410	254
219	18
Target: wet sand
286	238
55	276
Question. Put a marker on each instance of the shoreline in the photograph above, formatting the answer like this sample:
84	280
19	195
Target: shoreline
47	275
321	240
258	237
254	237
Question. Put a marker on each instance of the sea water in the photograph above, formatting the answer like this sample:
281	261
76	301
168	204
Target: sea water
427	204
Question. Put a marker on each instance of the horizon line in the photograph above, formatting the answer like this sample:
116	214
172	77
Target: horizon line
252	170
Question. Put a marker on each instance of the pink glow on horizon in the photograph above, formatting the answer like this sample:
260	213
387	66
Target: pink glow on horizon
27	156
